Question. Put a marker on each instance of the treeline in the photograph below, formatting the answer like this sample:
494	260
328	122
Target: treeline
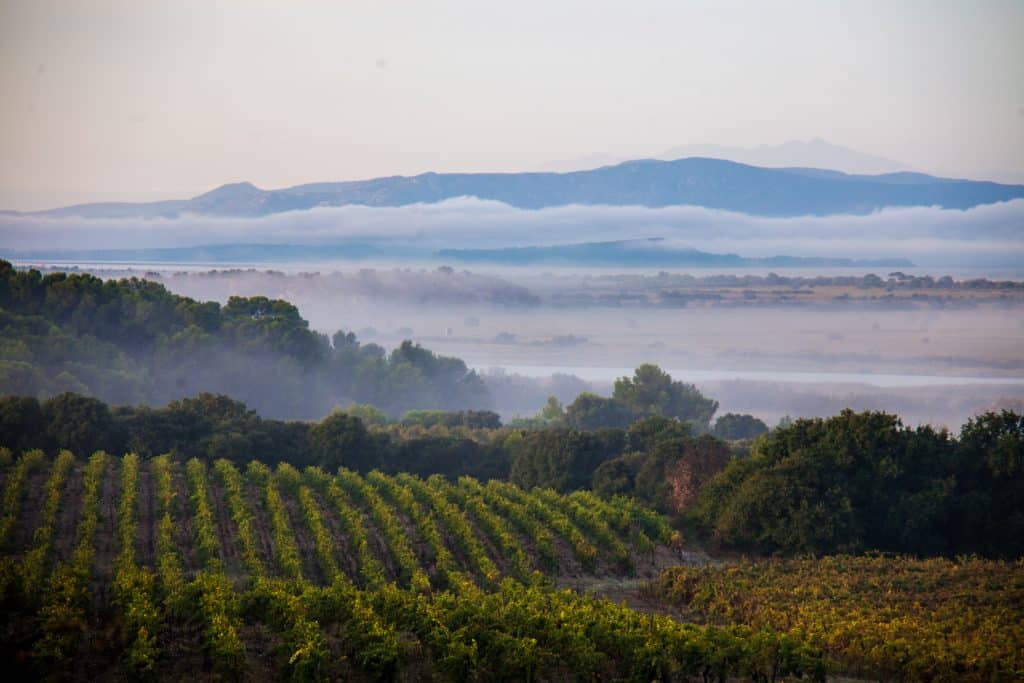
211	426
131	341
893	281
453	444
850	483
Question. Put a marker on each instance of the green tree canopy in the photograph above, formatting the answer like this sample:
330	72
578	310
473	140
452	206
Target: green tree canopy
652	391
733	427
863	481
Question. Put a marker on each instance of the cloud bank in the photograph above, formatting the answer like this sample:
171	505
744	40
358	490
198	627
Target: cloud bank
990	234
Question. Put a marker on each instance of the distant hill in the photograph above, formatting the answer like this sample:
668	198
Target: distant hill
694	181
652	252
814	153
649	253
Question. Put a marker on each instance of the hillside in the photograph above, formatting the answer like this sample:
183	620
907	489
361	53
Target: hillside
132	341
163	568
694	181
379	528
651	252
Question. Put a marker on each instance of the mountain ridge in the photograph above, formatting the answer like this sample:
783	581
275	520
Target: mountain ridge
691	181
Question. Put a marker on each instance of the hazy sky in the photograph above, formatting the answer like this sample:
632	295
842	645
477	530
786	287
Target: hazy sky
144	99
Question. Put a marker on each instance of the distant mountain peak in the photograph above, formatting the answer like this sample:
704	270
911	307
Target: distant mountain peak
244	189
814	152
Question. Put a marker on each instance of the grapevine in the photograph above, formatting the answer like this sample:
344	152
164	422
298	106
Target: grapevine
585	551
471	499
321	537
876	616
519	515
168	564
284	539
234	488
589	519
13	490
133	586
455	522
384	517
63	614
33	565
401	496
370	568
205	531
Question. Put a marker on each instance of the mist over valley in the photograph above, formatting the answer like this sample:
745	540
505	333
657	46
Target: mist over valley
795	344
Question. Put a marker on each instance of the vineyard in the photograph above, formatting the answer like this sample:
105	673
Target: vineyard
118	567
888	618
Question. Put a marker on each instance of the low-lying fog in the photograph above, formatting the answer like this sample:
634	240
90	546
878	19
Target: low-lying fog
987	235
799	346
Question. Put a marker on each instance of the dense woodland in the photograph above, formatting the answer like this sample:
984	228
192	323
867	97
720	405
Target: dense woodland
131	341
863	481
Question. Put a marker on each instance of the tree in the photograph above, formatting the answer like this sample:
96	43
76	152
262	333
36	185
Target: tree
22	426
651	391
669	474
472	419
553	410
734	427
988	515
617	476
646	433
561	459
80	424
688	465
590	411
341	440
852	482
449	456
369	414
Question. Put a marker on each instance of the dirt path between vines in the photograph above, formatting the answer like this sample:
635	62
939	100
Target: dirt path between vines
493	551
184	536
344	553
226	531
31	508
378	544
303	539
145	539
106	532
67	517
628	590
261	528
419	546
